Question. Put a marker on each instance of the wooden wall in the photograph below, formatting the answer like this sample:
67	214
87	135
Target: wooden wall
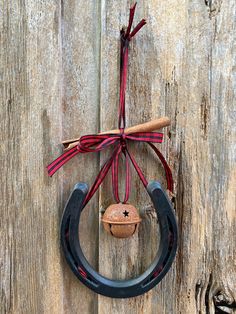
59	76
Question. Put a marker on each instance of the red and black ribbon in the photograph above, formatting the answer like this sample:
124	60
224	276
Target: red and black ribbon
98	142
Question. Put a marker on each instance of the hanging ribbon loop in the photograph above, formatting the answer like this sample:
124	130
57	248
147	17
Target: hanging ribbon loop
98	142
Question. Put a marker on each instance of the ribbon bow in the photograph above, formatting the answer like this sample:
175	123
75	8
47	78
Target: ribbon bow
98	142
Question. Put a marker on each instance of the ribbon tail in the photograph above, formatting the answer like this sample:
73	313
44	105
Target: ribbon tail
168	173
137	168
100	177
61	160
131	18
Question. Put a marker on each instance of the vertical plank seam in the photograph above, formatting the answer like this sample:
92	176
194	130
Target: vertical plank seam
99	48
61	92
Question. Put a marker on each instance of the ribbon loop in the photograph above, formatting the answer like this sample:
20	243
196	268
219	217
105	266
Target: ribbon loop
98	142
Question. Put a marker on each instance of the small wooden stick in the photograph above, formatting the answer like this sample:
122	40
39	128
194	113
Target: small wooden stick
150	126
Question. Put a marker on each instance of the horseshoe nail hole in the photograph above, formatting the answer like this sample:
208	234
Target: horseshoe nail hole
125	213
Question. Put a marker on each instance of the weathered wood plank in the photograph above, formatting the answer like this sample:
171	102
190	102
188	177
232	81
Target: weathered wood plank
203	133
80	107
45	98
128	258
31	275
56	83
182	66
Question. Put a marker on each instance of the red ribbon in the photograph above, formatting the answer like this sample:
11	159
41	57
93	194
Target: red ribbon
98	142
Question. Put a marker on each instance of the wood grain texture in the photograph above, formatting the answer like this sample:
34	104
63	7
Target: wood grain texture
177	69
49	89
80	107
59	78
31	271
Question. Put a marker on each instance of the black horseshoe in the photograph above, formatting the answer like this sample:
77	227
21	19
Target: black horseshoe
119	288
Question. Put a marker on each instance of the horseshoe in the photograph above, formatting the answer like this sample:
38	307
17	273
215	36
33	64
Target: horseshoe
70	243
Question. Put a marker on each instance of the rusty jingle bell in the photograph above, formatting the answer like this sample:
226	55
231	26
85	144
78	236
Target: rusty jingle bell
121	220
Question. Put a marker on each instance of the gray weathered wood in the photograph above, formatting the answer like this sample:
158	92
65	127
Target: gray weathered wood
49	90
80	107
31	271
59	70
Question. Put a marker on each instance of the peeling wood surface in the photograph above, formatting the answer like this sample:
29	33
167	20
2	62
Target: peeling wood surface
59	71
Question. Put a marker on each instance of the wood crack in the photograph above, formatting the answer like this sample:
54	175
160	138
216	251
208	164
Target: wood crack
210	298
223	304
204	116
207	294
214	7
